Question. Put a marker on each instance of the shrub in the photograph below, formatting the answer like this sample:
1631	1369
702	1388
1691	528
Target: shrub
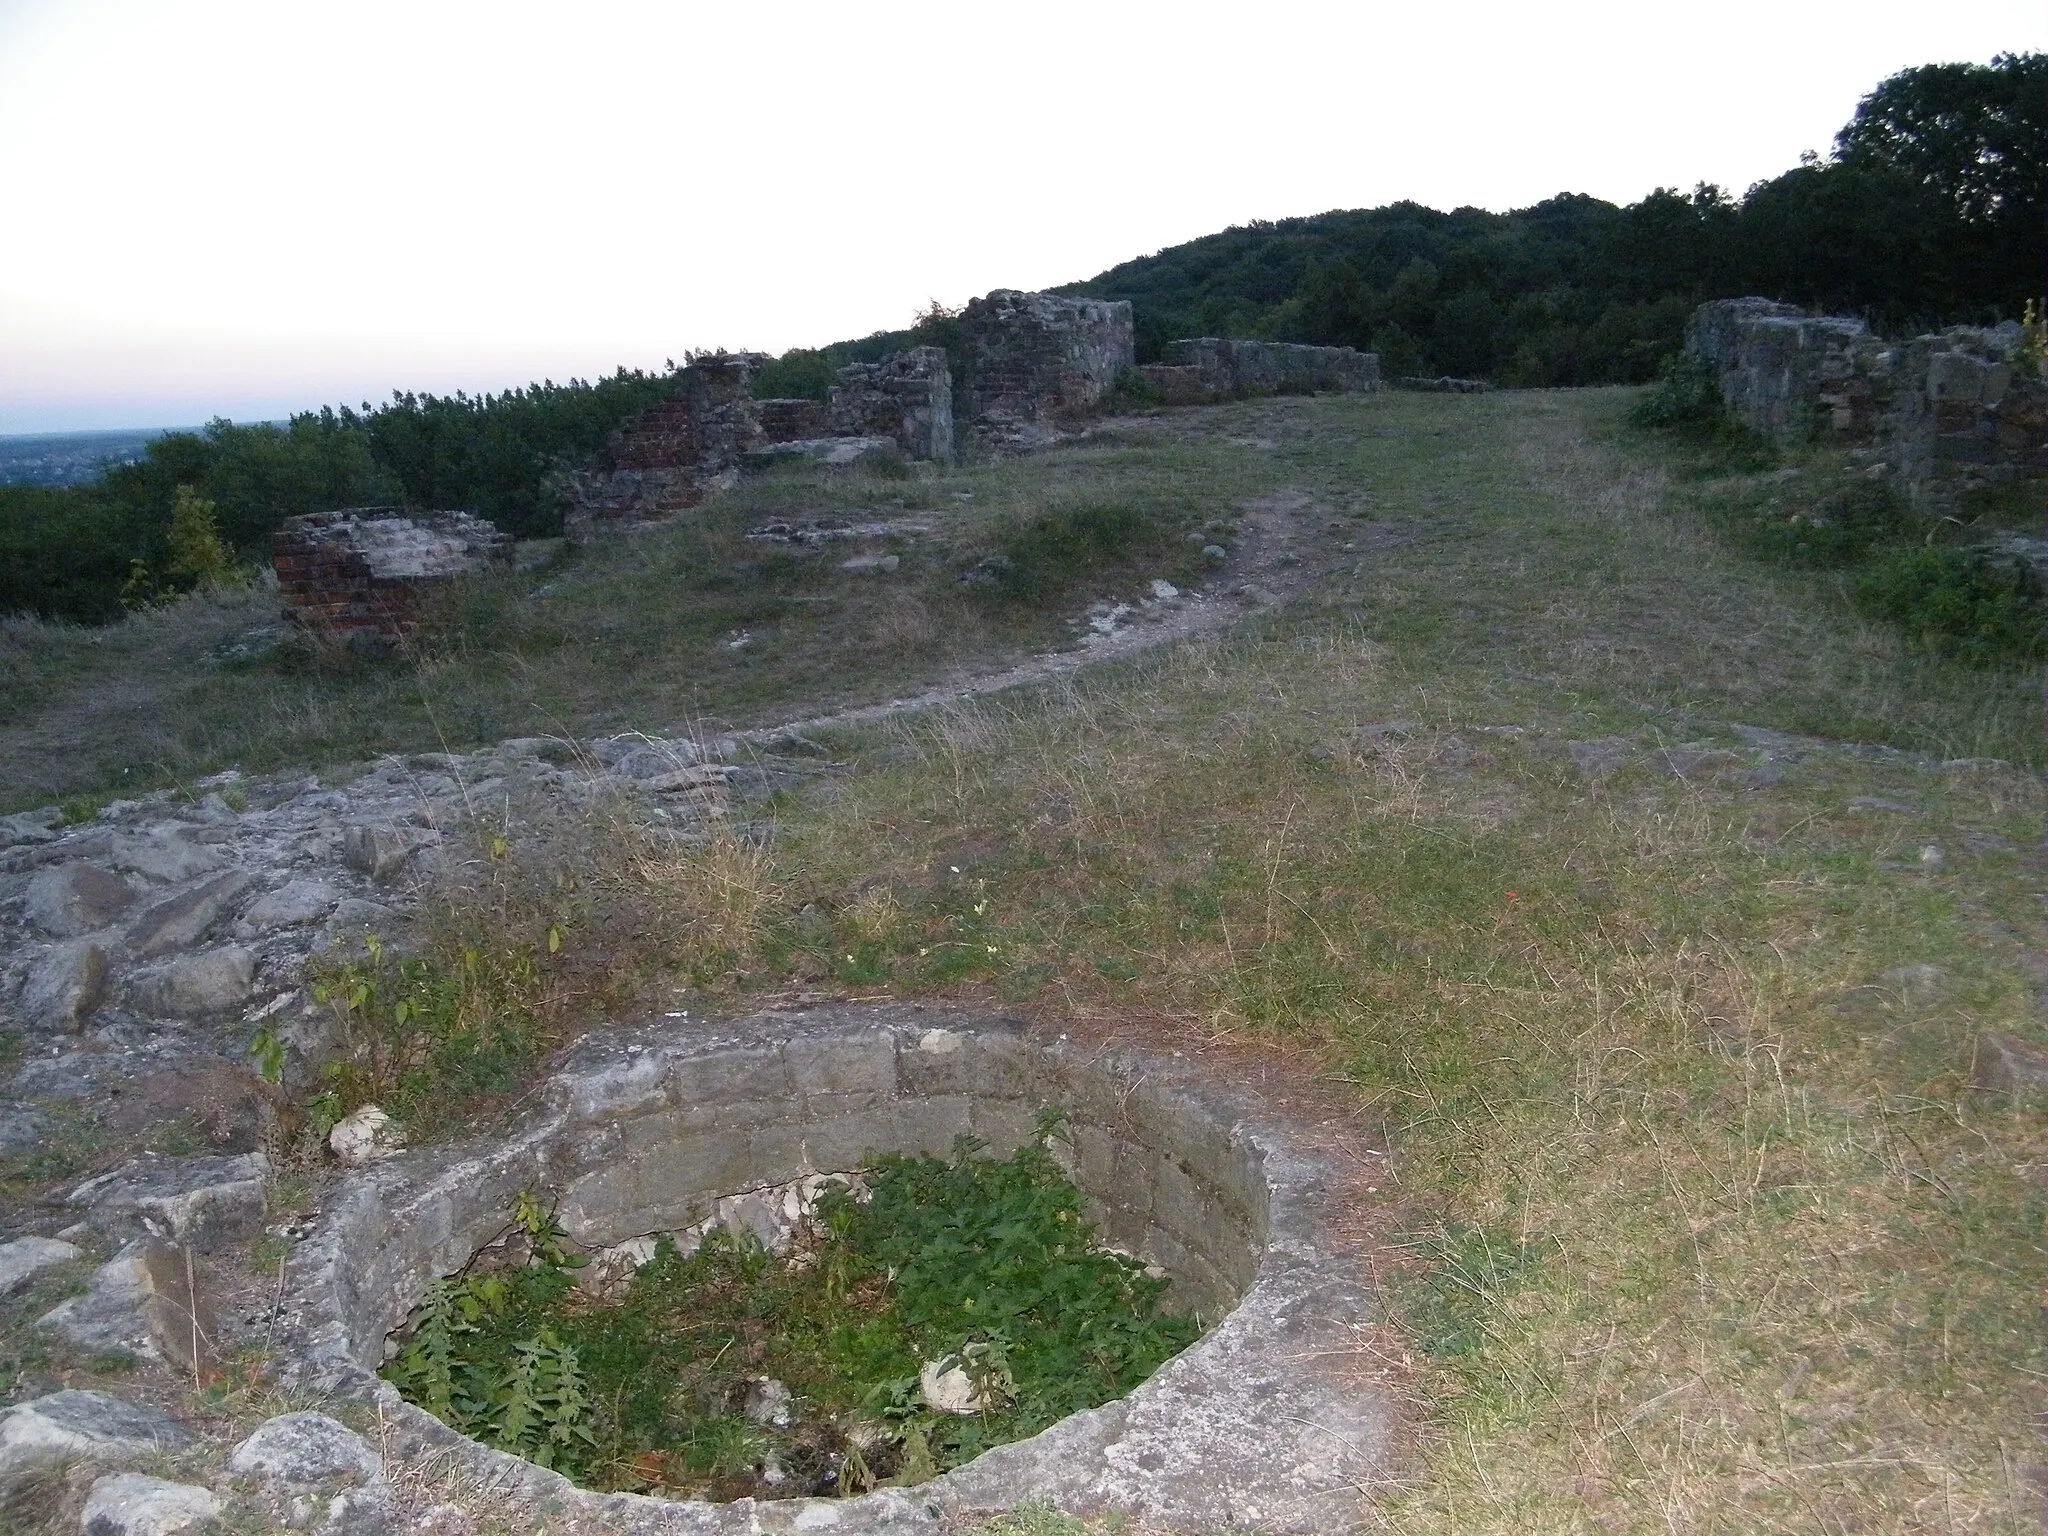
1832	525
1960	603
1039	560
1685	398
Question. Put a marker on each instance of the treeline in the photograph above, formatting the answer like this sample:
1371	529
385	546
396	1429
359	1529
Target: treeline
72	552
1930	210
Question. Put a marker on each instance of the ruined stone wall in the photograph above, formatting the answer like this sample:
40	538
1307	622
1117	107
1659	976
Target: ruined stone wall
907	396
1031	356
793	421
1947	409
1210	368
359	575
665	458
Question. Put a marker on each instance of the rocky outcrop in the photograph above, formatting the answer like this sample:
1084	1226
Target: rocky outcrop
142	949
1943	410
362	575
1209	368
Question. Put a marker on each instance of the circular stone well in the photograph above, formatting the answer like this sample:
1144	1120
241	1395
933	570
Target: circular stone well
1259	1425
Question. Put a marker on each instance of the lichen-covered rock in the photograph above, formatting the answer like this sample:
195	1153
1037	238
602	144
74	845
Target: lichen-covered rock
313	1473
306	1448
67	900
64	986
180	920
74	1426
129	1504
26	1257
304	900
206	1203
199	986
151	1299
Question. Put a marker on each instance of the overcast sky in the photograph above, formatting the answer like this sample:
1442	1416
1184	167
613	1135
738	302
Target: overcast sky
246	207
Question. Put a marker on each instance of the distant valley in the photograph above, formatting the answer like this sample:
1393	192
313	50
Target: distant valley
70	458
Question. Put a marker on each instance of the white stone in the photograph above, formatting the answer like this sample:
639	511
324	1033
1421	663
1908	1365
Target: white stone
364	1137
129	1504
1164	590
948	1388
938	1042
770	1402
26	1257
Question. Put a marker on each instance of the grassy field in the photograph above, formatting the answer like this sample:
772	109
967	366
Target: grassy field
1654	904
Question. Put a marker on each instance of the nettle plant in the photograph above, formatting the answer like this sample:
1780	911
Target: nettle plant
732	1371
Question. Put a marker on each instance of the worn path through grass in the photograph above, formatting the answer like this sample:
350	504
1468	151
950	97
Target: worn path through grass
1639	889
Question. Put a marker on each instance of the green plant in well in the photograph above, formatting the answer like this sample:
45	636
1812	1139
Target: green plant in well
987	1262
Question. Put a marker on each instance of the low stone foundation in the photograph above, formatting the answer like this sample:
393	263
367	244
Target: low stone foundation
1943	410
1260	1425
1210	368
360	574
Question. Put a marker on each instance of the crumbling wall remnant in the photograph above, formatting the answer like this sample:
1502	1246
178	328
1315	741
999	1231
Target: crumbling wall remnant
907	396
360	574
1207	368
1032	356
1944	410
665	458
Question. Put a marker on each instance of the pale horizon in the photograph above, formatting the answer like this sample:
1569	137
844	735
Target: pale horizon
245	210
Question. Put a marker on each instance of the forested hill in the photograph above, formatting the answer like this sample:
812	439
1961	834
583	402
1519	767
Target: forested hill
1930	210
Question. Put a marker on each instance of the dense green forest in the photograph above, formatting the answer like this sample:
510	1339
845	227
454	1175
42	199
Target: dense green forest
1930	209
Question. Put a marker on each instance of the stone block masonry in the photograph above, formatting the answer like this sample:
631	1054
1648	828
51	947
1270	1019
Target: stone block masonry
665	458
1210	368
908	396
1944	411
1032	356
360	574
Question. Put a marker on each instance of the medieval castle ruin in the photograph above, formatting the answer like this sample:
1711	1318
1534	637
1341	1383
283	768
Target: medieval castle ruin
1942	412
1029	361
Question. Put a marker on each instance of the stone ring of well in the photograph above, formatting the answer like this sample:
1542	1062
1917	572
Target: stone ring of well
1257	1426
